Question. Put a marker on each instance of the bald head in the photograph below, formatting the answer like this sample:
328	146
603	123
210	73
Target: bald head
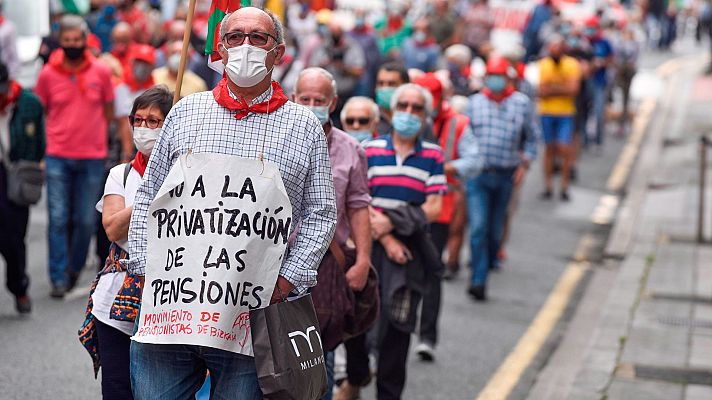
175	30
252	17
317	79
121	38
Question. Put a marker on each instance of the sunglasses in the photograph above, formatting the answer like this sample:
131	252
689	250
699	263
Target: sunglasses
403	106
151	123
361	121
237	38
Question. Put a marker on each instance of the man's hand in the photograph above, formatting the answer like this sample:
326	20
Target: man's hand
281	290
450	170
396	250
357	275
380	224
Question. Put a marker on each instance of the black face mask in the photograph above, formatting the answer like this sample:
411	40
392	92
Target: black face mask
73	53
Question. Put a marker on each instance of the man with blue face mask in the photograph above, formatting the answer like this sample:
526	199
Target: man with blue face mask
407	185
494	158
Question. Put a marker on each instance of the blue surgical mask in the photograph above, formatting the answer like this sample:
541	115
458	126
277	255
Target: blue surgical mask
406	124
495	83
361	135
590	32
572	42
321	112
383	97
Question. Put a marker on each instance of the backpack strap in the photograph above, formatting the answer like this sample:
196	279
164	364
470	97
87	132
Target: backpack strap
127	170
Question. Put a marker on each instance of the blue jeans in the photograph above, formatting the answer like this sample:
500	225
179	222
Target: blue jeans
73	188
599	112
329	364
177	372
487	201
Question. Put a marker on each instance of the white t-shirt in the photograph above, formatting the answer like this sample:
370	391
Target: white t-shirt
110	284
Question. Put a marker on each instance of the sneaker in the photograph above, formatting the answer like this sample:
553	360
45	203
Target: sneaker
478	292
425	351
565	196
23	304
58	291
546	195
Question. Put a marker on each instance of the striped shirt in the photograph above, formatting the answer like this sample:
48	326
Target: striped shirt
394	182
291	137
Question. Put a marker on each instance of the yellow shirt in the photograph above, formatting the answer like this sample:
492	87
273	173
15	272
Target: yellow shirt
550	72
192	83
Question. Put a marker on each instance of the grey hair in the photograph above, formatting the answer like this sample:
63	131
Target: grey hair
276	24
320	71
71	22
375	113
423	92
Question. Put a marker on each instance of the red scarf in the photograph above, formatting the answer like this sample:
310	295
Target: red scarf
11	97
221	93
498	97
56	61
139	163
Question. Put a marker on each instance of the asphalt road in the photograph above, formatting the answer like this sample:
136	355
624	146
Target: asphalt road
41	357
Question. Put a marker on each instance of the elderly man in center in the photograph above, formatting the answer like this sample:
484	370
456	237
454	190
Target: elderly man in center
407	185
316	90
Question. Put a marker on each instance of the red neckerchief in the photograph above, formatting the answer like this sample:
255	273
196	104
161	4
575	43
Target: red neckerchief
56	61
221	93
498	97
12	96
139	163
394	24
2	19
427	42
135	85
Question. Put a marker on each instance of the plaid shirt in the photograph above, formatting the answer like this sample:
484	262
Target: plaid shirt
291	137
502	134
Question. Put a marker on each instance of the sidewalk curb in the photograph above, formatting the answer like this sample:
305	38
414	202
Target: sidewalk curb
608	339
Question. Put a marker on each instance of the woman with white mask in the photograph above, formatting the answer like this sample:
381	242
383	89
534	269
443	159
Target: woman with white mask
115	296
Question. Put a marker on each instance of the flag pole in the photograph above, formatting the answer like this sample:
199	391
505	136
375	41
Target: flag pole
184	51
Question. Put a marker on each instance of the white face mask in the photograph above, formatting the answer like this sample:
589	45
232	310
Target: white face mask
173	62
144	138
246	65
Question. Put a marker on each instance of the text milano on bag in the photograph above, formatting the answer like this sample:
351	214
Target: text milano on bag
288	351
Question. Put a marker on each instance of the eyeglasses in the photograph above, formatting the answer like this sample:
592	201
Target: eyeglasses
237	38
361	121
151	123
403	106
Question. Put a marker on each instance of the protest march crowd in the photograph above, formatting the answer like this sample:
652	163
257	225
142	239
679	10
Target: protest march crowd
349	151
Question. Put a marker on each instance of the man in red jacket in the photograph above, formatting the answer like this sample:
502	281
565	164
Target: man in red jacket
447	232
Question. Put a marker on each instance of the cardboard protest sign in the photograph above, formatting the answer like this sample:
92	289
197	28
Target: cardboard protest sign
217	233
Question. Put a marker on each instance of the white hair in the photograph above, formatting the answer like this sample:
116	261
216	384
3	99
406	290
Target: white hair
319	71
459	53
373	107
423	92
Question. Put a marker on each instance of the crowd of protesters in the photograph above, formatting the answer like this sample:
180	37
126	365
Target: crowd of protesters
431	130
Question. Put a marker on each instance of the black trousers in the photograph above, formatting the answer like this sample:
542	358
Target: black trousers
392	358
114	347
13	229
430	312
357	368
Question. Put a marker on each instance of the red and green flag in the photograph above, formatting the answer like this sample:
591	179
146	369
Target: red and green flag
218	10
